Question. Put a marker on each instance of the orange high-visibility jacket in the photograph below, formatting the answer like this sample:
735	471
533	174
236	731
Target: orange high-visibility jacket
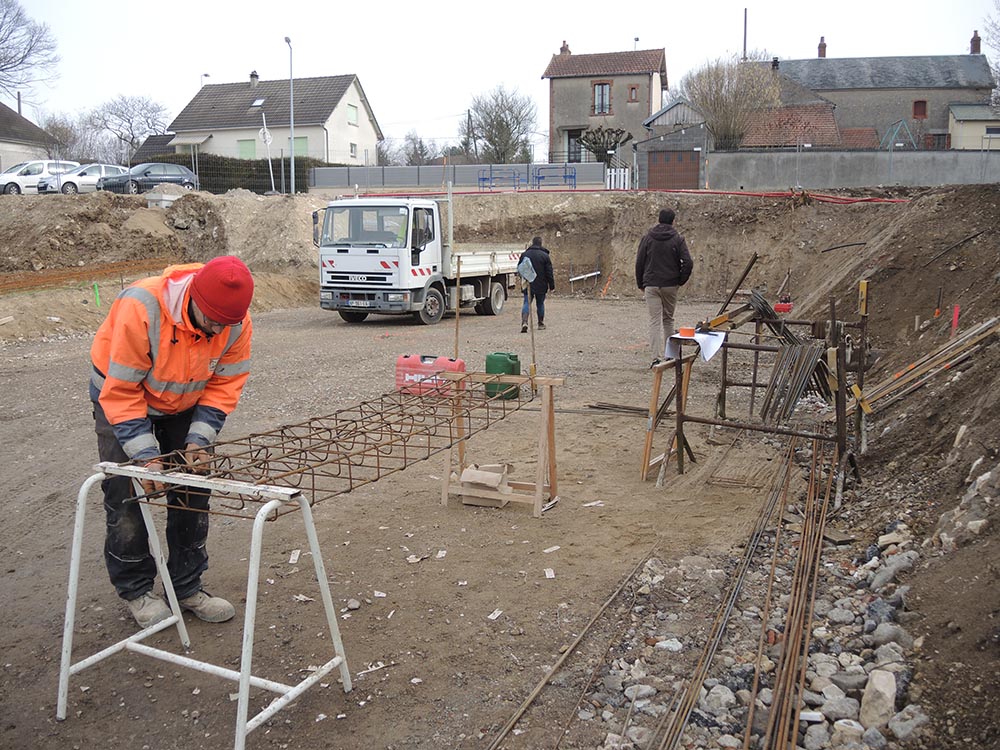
150	359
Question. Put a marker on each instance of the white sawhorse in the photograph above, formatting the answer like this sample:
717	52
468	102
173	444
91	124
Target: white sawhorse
275	497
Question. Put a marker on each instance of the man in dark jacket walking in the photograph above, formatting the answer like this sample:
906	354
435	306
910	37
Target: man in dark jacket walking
543	283
662	265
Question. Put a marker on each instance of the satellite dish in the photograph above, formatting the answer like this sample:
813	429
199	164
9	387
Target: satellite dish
265	135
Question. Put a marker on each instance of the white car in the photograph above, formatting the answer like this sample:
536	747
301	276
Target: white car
80	180
25	176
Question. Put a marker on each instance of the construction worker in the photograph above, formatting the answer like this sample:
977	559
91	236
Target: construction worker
662	264
169	365
544	281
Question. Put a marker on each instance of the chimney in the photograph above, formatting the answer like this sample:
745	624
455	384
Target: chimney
822	46
774	64
564	50
974	48
253	79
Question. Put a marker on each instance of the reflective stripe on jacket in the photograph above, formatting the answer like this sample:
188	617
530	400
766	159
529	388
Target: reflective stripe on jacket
150	359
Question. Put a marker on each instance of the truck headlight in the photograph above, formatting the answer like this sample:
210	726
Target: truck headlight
397	297
326	295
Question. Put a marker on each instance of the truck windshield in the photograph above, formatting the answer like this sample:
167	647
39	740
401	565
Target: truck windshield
371	226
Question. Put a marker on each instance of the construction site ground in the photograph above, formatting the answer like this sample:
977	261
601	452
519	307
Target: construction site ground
433	669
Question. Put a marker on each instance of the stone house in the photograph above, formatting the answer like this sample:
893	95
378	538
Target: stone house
609	89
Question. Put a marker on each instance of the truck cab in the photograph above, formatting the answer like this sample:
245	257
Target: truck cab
387	256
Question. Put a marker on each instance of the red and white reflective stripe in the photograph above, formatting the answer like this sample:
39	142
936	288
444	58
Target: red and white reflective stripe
390	266
421	271
329	263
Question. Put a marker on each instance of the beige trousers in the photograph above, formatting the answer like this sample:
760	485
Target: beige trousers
660	304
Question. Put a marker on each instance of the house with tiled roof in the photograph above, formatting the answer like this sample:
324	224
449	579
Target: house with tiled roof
333	120
802	120
20	139
882	92
609	89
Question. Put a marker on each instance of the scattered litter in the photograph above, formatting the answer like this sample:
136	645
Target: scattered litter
441	553
550	504
53	319
594	504
549	573
415	681
345	616
341	716
463	583
389	616
383	528
196	691
294	557
551	549
303	598
270	581
320	717
380	594
416	558
234	697
84	688
518	731
494	614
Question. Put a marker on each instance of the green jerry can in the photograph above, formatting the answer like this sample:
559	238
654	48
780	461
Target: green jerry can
502	363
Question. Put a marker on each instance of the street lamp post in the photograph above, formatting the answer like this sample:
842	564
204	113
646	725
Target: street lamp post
201	79
291	108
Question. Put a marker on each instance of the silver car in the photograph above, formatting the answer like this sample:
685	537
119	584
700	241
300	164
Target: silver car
81	180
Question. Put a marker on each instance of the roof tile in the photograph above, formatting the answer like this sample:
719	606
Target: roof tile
607	64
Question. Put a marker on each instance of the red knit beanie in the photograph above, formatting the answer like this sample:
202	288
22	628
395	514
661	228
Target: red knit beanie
222	289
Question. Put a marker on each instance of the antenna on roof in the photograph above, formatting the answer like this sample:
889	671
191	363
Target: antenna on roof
744	34
635	44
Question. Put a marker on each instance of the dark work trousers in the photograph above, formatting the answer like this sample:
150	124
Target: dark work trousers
126	545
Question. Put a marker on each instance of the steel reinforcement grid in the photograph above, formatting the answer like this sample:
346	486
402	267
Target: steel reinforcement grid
327	456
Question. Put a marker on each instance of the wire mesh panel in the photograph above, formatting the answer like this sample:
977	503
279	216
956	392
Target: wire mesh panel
324	457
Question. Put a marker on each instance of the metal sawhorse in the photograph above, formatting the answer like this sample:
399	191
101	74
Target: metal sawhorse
273	498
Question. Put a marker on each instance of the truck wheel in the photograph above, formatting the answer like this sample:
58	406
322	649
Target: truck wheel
352	317
493	304
433	309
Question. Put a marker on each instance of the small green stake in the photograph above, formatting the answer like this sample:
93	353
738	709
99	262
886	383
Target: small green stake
97	295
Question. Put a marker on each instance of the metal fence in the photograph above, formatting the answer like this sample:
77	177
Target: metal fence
478	176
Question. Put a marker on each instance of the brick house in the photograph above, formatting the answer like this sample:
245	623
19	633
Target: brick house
610	89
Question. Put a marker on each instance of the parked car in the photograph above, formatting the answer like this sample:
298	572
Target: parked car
80	180
25	176
142	177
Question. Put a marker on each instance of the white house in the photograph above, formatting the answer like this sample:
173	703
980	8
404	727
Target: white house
20	139
333	120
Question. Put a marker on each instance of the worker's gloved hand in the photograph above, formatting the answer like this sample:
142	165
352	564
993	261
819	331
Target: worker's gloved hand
149	486
197	458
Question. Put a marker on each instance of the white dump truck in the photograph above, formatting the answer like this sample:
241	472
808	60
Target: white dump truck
389	256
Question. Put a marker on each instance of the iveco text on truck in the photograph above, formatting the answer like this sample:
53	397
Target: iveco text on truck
388	256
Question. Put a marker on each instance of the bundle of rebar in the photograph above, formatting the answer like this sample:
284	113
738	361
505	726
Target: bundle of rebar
819	378
793	368
331	455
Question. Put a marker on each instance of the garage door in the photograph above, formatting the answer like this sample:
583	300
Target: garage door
673	170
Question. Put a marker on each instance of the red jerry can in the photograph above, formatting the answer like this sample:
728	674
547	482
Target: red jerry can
417	373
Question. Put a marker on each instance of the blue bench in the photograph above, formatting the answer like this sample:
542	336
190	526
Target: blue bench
557	172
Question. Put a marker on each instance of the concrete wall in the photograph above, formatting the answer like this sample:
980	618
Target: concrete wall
835	169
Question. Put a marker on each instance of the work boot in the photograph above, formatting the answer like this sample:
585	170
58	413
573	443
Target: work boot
524	328
149	609
208	608
541	326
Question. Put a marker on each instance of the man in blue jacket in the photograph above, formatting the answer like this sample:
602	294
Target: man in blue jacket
662	265
542	284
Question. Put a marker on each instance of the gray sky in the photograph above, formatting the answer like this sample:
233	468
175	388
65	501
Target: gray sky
421	64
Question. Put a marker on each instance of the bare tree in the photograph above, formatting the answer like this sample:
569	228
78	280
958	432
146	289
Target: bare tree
604	142
130	119
502	123
78	139
416	152
991	35
727	92
27	49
